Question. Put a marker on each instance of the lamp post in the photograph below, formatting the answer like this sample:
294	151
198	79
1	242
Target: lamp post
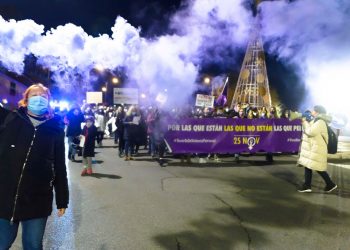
104	90
109	77
115	80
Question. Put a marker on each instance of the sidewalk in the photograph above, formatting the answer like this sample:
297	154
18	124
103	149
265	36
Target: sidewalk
340	156
343	149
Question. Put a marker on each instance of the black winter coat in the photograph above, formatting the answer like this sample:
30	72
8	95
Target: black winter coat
74	125
32	163
130	129
119	122
141	133
89	146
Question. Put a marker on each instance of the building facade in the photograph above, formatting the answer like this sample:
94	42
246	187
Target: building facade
11	91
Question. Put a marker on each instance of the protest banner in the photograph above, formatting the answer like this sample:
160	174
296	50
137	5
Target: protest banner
94	97
205	101
126	96
215	135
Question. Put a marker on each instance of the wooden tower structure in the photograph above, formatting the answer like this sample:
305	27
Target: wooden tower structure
253	84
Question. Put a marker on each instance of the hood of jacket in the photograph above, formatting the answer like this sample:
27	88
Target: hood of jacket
325	117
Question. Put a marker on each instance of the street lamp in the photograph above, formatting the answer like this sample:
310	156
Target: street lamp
99	68
207	80
115	80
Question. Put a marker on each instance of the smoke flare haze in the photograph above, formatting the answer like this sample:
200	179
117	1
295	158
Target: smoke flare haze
310	35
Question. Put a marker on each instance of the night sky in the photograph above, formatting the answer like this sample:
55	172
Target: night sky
98	16
95	16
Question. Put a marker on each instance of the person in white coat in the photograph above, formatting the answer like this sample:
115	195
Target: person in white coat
100	124
313	152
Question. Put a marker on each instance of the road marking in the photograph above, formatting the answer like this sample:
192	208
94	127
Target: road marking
340	165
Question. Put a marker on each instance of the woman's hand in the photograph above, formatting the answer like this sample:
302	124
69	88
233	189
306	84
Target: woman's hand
61	212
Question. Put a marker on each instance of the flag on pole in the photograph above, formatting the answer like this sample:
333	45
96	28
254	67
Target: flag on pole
221	95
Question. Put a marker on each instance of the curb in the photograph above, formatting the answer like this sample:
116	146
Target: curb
341	156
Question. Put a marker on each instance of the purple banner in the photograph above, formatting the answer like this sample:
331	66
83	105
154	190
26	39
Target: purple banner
220	135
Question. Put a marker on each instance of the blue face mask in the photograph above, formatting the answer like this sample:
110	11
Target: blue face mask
38	105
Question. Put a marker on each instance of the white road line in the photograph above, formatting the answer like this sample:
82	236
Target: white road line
340	165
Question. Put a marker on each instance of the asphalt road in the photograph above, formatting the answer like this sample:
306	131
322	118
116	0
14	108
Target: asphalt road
132	205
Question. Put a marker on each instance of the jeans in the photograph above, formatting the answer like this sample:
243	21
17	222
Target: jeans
121	143
152	145
129	147
32	233
160	148
99	137
71	149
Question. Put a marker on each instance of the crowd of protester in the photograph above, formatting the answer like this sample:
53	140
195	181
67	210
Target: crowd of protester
132	127
242	111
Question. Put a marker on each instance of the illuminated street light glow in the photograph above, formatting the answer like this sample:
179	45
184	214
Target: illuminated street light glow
143	96
53	104
61	105
161	98
4	101
207	80
99	68
64	105
104	89
115	80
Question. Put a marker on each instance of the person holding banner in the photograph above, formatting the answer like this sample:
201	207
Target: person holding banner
157	126
313	153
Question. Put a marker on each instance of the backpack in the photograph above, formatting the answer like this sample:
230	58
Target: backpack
332	146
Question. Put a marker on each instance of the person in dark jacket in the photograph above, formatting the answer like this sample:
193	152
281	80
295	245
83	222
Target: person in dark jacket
32	164
74	119
119	133
159	129
131	123
89	134
151	117
141	132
